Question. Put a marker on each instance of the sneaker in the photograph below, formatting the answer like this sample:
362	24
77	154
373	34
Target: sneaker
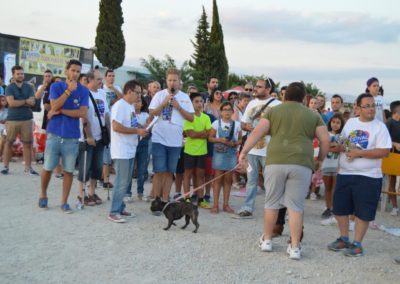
88	201
235	186
327	213
373	225
243	215
128	199
66	209
107	185
204	204
96	199
140	197
265	245
294	253
31	172
207	198
148	198
177	195
313	196
116	218
43	202
128	214
395	211
354	251
329	222
338	245
5	171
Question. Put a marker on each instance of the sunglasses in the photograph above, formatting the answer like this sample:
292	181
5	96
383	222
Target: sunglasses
248	90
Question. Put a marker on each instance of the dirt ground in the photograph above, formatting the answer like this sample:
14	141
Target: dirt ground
47	246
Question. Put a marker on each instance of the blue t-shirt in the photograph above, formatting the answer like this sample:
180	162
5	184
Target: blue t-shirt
62	125
21	113
327	116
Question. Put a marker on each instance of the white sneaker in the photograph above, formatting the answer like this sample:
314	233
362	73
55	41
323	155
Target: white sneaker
235	186
313	196
294	253
265	245
329	222
352	224
395	212
128	199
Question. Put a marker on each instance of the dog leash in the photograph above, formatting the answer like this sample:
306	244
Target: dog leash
201	186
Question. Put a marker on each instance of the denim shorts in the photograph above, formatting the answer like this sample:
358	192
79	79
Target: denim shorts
165	159
57	147
224	161
358	195
94	161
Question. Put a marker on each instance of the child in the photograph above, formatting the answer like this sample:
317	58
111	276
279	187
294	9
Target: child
329	166
226	136
195	151
141	120
393	125
3	117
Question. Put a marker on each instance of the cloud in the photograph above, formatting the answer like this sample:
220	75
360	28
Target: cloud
332	27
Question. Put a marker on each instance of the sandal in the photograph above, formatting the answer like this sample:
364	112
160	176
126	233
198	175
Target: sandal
228	209
214	209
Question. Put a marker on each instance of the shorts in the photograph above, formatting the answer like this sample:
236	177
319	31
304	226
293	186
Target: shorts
23	128
107	155
329	172
194	162
57	147
94	161
180	167
165	158
209	171
287	186
358	195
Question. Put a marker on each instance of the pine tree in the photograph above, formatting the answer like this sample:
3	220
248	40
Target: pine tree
219	63
200	57
110	42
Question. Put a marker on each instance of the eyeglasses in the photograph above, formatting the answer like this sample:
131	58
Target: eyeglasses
248	90
227	109
368	106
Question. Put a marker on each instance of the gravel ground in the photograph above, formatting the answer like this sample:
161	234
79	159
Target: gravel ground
47	246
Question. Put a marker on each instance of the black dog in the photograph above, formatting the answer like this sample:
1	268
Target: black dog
175	211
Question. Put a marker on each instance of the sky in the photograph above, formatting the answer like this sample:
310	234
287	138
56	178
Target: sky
337	45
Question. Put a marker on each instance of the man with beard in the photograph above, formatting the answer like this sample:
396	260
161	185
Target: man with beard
20	98
69	102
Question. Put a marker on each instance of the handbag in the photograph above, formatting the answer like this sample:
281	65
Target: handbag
105	137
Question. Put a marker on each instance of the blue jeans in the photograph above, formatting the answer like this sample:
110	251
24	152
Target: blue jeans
141	157
123	177
165	158
252	182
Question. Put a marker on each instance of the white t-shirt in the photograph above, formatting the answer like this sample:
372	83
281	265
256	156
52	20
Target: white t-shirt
380	105
369	135
227	126
123	146
168	130
110	94
260	149
332	159
142	117
101	102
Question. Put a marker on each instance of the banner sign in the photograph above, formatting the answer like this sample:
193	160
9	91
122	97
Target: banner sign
37	56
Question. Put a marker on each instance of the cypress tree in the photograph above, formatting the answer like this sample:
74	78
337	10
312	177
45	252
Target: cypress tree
218	60
200	57
110	42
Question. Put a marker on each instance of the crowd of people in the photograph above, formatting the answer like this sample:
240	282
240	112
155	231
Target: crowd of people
283	142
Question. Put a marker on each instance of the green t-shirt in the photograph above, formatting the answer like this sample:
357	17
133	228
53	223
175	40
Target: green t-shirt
292	130
21	113
197	146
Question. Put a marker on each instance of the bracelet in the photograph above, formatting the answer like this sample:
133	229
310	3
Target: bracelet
68	93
